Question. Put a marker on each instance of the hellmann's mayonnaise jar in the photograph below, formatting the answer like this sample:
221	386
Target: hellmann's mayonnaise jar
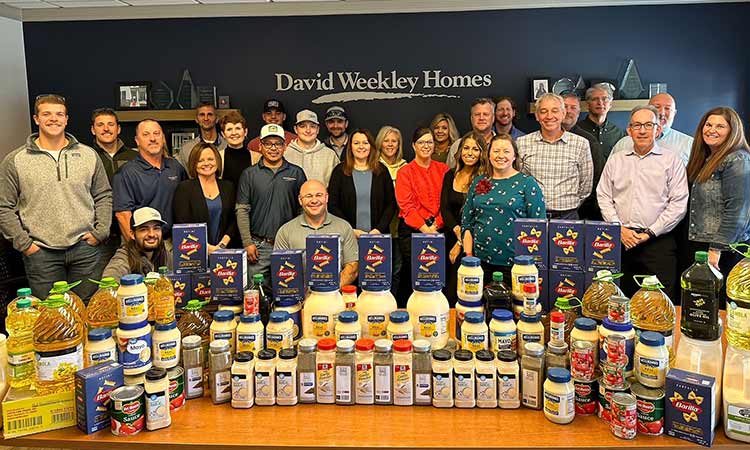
166	345
374	308
399	326
132	299
99	348
470	279
320	314
224	327
474	333
429	315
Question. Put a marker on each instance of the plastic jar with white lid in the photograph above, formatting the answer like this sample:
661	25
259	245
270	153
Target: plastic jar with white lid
503	334
559	396
474	333
442	379
320	312
486	385
623	329
373	308
99	348
585	329
157	399
250	334
651	359
294	308
348	326
529	329
399	326
470	279
132	299
243	375
279	331
523	271
167	341
134	347
265	378
463	379
508	389
224	327
462	307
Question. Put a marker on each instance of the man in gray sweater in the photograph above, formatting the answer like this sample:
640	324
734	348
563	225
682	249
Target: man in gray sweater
55	202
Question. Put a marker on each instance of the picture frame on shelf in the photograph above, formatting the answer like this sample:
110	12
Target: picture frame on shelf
179	138
539	86
133	95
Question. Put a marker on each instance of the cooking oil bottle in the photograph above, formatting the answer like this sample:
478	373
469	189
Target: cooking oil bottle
75	302
652	310
20	327
102	309
195	321
596	297
164	298
701	288
21	294
58	346
738	304
150	281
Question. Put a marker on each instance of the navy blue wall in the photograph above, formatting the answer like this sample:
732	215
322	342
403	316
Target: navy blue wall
694	48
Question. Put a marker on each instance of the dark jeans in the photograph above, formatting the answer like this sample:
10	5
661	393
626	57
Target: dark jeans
571	214
107	250
404	247
79	262
654	257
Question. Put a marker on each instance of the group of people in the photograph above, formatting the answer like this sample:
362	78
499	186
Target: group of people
76	211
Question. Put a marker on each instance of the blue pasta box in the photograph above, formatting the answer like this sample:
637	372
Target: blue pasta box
93	387
565	283
603	248
427	262
182	288
530	238
228	269
545	298
689	406
201	285
323	262
189	248
375	264
566	242
287	275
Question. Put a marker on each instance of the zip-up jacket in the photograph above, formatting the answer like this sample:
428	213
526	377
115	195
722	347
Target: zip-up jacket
53	203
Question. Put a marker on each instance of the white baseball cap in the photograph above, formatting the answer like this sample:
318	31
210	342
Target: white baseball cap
145	215
307	116
271	129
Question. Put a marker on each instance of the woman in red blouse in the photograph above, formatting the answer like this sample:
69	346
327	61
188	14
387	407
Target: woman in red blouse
418	189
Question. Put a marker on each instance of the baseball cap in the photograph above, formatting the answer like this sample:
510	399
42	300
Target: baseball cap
271	129
144	215
335	112
307	116
273	104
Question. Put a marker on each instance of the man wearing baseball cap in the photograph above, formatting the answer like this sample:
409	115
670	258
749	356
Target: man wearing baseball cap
273	113
146	252
266	199
315	158
336	123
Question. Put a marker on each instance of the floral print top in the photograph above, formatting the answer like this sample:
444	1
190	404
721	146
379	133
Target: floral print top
492	205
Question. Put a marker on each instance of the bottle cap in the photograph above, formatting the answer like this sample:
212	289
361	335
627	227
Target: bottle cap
345	345
23	303
223	315
192	341
402	345
399	316
134	326
442	355
506	356
165	326
463	355
279	316
557	317
558	348
258	278
156	373
243	357
219	345
474	317
131	279
530	318
23	292
523	260
468	304
652	339
485	355
529	288
348	316
502	314
558	375
99	334
163	270
287	353
349	289
608	324
533	348
249	318
364	345
604	275
383	345
421	345
470	261
326	344
267	354
701	257
307	345
497	276
585	324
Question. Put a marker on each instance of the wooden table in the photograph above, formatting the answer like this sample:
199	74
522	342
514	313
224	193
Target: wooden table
200	425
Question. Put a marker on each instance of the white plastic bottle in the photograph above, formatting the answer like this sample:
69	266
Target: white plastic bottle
373	308
320	313
429	315
736	393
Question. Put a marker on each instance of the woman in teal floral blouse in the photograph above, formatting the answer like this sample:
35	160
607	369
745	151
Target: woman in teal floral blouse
494	201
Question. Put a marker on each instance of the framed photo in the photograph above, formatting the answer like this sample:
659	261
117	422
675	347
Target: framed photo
133	95
179	138
539	87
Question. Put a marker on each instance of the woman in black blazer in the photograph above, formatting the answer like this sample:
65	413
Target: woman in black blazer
360	190
206	199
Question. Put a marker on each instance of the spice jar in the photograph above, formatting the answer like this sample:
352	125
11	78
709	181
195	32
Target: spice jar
325	371
532	375
442	379
306	370
422	363
192	362
345	372
507	380
556	355
403	377
364	391
265	377
383	362
157	399
220	366
463	379
286	378
243	374
485	374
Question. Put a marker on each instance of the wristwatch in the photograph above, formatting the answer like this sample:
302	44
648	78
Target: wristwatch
222	245
650	233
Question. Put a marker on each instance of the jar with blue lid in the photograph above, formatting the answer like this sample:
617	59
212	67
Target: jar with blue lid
134	347
470	279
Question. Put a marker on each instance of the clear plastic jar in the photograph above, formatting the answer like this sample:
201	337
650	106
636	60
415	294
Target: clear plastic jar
220	371
422	363
530	330
306	370
325	371
651	360
132	297
157	399
243	376
532	375
224	327
279	331
265	377
364	392
286	378
345	371
383	362
474	332
403	376
503	331
166	344
486	385
400	327
99	348
348	326
508	392
463	379
559	396
250	334
557	355
442	379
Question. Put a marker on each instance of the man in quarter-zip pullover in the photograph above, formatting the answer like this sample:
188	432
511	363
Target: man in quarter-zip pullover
55	202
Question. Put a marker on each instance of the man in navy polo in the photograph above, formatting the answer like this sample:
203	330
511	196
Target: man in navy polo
267	198
149	180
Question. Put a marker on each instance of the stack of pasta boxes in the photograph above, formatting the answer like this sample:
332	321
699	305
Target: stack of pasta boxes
190	276
568	253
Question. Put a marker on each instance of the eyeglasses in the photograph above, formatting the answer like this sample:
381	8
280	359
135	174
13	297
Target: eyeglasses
317	196
424	143
273	145
648	125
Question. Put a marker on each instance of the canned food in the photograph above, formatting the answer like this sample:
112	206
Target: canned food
618	309
650	406
614	374
585	397
176	388
605	397
127	410
582	365
615	348
624	418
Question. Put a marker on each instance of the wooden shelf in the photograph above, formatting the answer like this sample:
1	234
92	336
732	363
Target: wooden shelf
617	105
165	115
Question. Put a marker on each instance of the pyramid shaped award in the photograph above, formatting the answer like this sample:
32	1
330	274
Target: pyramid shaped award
187	94
580	88
631	86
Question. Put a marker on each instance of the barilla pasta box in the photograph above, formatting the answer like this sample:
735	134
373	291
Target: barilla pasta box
545	298
566	242
427	262
530	238
689	406
228	269
189	248
201	286
603	248
93	386
565	283
25	412
375	264
287	275
323	262
182	288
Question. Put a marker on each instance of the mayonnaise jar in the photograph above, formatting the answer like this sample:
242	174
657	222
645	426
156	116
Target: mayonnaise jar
470	279
99	348
279	331
224	327
132	299
559	396
584	329
503	334
250	334
134	347
651	359
474	335
400	327
348	326
166	345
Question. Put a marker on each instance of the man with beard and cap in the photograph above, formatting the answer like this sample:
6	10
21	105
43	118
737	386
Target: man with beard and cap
146	252
336	122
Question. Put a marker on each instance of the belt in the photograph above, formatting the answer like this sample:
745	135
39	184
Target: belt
556	214
262	239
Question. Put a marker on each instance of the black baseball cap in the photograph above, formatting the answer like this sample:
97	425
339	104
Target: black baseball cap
273	104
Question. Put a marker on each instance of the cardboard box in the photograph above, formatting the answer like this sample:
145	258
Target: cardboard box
287	278
530	238
427	262
228	269
25	413
603	247
93	386
689	406
189	248
323	262
183	287
566	245
375	263
545	298
201	285
565	283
